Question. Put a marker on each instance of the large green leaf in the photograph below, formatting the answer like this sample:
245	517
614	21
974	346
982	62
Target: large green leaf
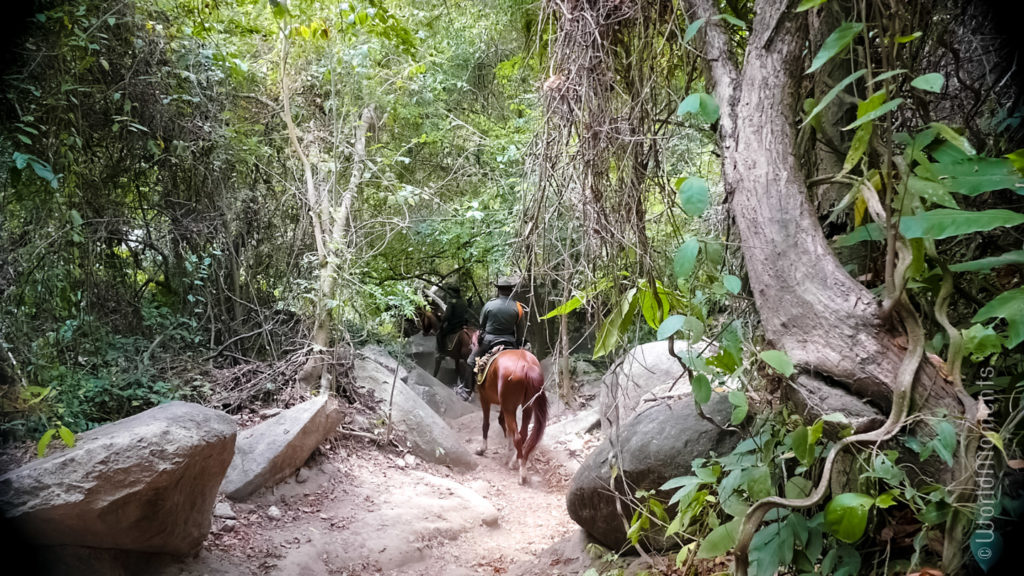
937	224
981	341
653	309
846	515
692	29
720	540
944	223
694	196
833	93
1010	306
779	360
686	258
985	264
701	388
701	104
573	303
930	82
617	322
976	174
876	113
954	138
670	326
930	190
835	43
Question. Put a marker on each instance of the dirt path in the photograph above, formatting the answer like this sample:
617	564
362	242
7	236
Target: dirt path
362	509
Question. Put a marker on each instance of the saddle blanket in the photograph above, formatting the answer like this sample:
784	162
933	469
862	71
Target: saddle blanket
483	364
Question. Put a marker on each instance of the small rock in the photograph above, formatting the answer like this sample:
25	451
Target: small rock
223	510
228	526
301	476
410	459
273	513
399	462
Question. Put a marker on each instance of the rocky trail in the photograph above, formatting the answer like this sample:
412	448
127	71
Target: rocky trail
359	507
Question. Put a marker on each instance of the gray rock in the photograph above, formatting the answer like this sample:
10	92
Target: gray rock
223	510
271	451
428	435
581	423
644	373
146	483
656	445
274	513
381	357
441	399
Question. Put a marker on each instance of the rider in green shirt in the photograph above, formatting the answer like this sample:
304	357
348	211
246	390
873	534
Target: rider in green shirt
502	322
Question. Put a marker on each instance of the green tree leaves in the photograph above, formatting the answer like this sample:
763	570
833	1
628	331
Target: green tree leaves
835	43
694	196
846	515
1010	306
700	104
778	360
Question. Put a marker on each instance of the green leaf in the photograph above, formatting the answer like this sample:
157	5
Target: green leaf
858	146
944	223
808	4
670	326
694	196
929	82
878	112
846	515
701	389
701	104
798	487
1017	158
930	190
692	29
732	283
908	38
778	360
975	174
66	436
886	499
686	258
733	20
720	540
981	342
1010	306
885	76
985	264
653	309
953	138
617	322
832	94
944	442
835	43
44	442
740	407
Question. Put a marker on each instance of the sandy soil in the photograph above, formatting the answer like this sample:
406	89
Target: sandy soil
359	508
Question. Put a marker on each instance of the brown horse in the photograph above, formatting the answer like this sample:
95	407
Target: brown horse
459	352
428	320
515	379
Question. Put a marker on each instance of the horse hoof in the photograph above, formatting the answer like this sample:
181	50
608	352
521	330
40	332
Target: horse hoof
479	451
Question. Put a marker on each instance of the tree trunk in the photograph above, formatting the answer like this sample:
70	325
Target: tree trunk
826	321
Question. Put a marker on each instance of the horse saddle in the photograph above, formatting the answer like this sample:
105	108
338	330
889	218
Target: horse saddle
483	364
449	341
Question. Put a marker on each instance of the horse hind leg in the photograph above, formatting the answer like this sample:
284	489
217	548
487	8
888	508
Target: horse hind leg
512	432
487	424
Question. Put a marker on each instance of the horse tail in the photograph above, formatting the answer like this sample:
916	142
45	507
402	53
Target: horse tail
539	403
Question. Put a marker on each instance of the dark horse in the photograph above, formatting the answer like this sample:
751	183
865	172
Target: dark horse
513	380
459	352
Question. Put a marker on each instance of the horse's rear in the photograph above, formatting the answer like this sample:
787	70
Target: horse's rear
515	379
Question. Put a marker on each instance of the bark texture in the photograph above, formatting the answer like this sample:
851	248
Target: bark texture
810	307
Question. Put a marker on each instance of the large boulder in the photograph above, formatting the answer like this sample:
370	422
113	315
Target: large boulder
428	436
645	373
656	445
380	356
146	483
438	396
269	452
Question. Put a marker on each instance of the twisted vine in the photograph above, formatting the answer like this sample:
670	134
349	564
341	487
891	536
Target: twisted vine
898	301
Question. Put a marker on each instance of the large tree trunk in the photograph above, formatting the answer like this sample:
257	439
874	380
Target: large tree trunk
826	321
